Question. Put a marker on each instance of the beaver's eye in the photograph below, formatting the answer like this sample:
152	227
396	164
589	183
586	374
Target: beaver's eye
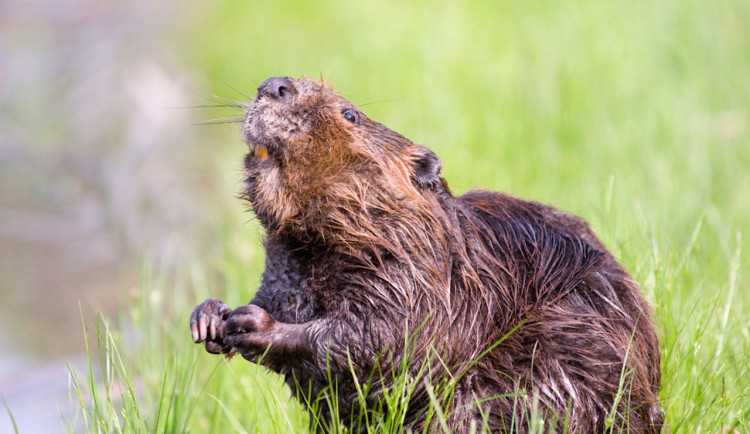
350	115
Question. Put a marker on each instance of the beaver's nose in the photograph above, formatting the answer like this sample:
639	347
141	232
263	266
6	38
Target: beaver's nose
281	88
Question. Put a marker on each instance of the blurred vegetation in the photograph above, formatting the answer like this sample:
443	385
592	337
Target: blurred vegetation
634	115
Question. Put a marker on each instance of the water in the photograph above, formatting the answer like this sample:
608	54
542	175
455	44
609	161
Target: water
96	169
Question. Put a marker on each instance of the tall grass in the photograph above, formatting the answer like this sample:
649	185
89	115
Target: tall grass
634	115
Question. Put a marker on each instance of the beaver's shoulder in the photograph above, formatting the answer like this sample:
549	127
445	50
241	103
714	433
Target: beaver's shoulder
497	208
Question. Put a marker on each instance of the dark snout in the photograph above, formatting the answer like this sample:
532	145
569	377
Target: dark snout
278	88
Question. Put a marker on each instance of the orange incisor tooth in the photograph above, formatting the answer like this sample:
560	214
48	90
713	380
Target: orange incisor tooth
261	151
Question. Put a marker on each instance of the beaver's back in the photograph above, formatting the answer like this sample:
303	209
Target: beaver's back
578	318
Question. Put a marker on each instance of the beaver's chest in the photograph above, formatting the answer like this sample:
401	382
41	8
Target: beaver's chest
299	284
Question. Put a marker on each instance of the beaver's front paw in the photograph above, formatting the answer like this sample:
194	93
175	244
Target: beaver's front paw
207	323
250	329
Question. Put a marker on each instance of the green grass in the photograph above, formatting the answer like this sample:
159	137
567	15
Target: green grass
634	115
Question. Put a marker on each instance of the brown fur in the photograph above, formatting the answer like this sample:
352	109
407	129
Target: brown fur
366	244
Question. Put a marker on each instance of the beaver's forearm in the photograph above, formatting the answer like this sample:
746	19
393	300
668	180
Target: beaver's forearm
325	343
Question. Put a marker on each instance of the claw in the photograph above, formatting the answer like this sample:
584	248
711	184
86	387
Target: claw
202	326
212	326
194	330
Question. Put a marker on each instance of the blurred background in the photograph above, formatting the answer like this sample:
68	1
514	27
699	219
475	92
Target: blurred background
110	159
102	169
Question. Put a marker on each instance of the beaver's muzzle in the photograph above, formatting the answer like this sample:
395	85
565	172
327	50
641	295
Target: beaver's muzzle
278	88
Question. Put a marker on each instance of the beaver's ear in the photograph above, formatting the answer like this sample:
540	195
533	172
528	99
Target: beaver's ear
427	166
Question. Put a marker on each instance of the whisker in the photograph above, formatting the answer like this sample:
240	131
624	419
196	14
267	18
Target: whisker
219	121
381	101
237	106
247	97
220	100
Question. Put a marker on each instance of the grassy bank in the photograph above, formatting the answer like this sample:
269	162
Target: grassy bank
634	115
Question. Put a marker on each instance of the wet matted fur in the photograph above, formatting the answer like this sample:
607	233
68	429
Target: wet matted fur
365	243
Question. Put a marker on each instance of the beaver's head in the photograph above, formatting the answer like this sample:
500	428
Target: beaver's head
315	158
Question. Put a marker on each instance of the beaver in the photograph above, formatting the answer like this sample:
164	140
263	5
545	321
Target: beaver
373	264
